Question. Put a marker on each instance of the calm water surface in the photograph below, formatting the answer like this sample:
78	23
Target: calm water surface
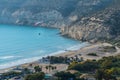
22	44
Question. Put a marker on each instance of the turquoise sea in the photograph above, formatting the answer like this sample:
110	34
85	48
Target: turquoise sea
23	44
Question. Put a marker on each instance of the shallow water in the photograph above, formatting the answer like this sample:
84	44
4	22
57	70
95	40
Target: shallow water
23	44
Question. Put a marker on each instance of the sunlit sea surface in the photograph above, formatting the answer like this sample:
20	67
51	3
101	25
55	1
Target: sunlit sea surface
23	44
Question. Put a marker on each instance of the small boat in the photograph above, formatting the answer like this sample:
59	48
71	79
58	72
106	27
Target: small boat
39	34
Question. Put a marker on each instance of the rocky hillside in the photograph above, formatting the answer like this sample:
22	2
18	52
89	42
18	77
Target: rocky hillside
101	25
52	13
79	19
35	12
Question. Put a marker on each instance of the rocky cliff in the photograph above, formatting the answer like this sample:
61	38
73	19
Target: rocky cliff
101	25
78	19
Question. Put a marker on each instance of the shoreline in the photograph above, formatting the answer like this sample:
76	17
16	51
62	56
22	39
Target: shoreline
17	62
58	53
81	52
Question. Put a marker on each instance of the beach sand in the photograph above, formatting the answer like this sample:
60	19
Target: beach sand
82	53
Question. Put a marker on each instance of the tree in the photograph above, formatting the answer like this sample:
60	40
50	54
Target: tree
64	75
106	64
38	69
26	71
52	67
106	74
99	74
35	76
49	67
55	67
46	68
85	66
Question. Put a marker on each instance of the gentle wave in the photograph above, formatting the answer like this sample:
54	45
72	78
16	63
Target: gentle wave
18	62
7	57
28	60
76	47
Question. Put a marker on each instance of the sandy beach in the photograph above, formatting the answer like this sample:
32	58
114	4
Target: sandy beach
92	48
81	53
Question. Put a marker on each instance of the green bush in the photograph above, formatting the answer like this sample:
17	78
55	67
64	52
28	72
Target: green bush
35	76
85	66
92	54
65	75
